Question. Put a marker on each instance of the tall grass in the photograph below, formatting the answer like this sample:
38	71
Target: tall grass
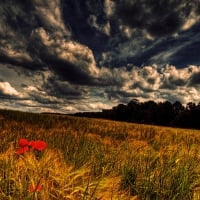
98	159
55	178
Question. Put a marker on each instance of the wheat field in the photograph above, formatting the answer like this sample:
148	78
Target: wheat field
95	159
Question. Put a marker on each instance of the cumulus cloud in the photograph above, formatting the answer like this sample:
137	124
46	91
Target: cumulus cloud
7	90
152	82
112	86
173	77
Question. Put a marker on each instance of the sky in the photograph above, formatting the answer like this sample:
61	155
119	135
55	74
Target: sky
72	56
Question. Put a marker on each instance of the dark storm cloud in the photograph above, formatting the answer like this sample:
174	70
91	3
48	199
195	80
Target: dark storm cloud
195	79
17	21
62	89
187	52
79	55
146	83
87	19
40	96
159	18
69	36
38	38
71	60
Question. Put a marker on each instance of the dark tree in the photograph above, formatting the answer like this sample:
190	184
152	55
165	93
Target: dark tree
178	108
150	112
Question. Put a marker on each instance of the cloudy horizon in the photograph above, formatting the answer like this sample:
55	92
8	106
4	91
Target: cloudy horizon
75	56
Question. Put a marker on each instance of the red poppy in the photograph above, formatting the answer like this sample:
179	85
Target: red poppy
23	142
35	188
31	143
38	145
22	150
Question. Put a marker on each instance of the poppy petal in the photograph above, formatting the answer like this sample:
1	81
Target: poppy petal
23	142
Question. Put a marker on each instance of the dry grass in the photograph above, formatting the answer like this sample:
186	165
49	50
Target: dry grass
56	179
98	159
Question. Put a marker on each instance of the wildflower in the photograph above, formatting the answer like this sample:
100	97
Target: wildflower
38	145
22	150
31	143
23	142
35	188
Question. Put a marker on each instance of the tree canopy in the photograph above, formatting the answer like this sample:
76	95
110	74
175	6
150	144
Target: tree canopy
150	112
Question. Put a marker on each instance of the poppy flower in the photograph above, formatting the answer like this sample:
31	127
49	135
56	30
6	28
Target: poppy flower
22	150
38	145
23	142
35	188
31	143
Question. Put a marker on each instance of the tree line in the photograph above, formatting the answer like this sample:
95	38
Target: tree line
150	112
